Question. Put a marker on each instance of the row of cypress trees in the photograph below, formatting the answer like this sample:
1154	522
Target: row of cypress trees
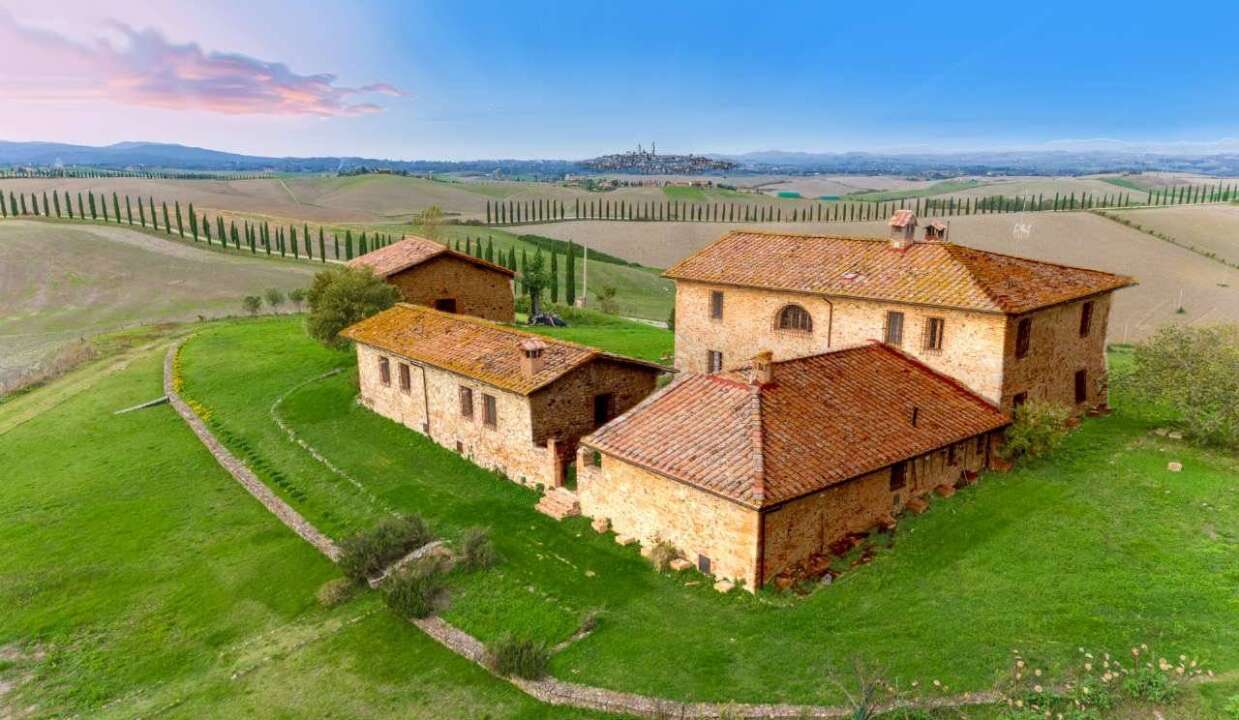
516	212
146	214
149	175
486	251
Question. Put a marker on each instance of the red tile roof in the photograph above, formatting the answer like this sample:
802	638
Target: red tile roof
939	274
902	218
822	420
476	348
413	250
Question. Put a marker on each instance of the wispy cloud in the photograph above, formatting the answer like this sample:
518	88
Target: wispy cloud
144	68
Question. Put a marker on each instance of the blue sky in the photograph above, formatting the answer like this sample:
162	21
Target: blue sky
459	80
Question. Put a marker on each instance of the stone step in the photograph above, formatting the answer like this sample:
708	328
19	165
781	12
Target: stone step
559	504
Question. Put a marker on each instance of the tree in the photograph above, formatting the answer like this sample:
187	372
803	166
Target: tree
1193	371
141	211
341	296
554	278
55	201
116	206
309	248
275	298
296	296
570	276
129	210
535	277
193	220
348	244
94	215
252	304
155	220
322	245
430	221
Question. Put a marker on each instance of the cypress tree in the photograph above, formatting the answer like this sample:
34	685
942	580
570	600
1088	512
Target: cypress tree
490	249
361	243
47	209
206	225
116	206
4	206
55	202
348	244
128	210
570	276
103	205
193	220
167	226
25	210
554	277
93	209
292	240
141	211
322	245
68	205
180	225
220	231
155	220
81	209
309	247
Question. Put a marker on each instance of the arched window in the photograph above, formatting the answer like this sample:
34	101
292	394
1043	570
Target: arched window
794	317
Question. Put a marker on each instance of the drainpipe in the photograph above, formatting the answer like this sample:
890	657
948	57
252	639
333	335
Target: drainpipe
425	401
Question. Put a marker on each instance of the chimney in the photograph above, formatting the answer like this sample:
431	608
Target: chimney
531	357
761	371
902	229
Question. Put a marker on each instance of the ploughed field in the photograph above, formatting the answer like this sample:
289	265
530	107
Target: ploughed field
1099	547
1209	229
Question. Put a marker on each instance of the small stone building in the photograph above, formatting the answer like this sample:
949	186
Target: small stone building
432	274
1010	328
508	400
752	472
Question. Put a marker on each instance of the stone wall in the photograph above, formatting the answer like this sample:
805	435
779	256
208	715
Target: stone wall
650	507
1055	352
972	346
476	290
565	409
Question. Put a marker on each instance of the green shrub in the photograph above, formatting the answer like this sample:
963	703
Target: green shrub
476	549
369	552
341	296
662	554
1151	685
414	592
336	591
1195	372
522	658
1037	429
1231	710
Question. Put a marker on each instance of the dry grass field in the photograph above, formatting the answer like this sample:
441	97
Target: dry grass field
1209	228
1210	290
59	283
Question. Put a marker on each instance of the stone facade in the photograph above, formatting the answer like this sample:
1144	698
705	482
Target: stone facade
474	289
533	438
651	508
978	348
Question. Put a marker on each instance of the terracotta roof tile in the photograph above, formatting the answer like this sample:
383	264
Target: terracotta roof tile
413	250
476	348
822	420
928	273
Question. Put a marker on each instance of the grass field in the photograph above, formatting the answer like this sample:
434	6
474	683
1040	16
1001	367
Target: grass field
1208	228
61	282
1099	548
139	580
946	187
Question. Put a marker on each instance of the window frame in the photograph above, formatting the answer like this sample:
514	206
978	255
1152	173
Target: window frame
716	304
464	395
1080	380
802	315
899	476
886	331
385	370
1023	338
711	366
1018	400
934	341
406	378
490	411
1086	318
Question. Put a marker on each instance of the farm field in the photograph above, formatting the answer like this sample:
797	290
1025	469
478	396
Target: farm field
60	282
1210	289
1208	228
956	591
140	580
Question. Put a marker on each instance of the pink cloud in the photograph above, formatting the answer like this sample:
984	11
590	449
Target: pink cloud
147	69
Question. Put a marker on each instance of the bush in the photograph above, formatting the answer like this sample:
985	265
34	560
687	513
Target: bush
476	549
522	658
1037	429
275	297
1151	685
1231	711
336	591
414	592
368	553
341	296
251	304
662	554
1195	372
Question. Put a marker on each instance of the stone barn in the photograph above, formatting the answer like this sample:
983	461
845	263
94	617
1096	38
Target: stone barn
509	400
757	471
1009	327
431	274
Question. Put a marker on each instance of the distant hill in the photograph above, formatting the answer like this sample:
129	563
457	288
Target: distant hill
145	156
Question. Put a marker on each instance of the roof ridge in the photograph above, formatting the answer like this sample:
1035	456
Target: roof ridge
758	436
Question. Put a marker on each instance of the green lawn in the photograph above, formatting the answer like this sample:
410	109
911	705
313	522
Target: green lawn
684	193
1100	548
139	580
614	334
944	187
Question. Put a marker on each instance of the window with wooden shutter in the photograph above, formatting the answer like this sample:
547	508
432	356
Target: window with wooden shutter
466	402
1086	318
899	475
1081	386
935	328
1023	337
894	328
490	411
716	304
406	378
714	361
384	371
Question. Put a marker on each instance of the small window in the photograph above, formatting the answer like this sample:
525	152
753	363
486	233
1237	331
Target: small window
952	456
490	411
1086	318
466	402
447	305
1018	400
899	476
1023	337
595	459
604	409
384	371
406	378
794	317
1081	386
714	361
894	328
934	330
703	563
716	304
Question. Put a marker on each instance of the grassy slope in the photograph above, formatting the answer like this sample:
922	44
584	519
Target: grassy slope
945	187
1100	548
155	586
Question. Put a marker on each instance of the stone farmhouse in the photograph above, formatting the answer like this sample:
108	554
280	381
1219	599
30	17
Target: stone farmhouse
508	400
432	274
759	470
1010	328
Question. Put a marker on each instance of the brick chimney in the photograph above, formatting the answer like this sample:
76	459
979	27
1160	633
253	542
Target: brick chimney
532	361
902	229
761	370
